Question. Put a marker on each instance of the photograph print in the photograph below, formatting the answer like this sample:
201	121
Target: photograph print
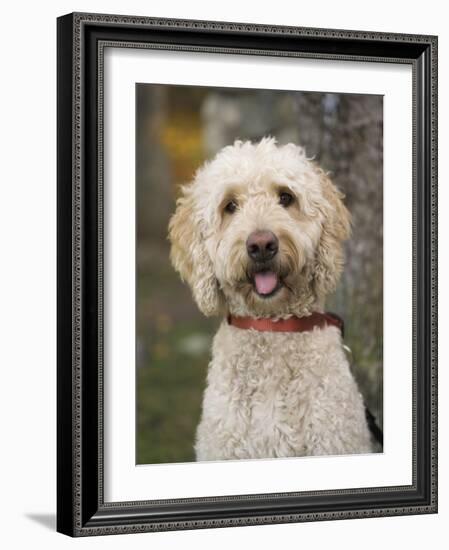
259	301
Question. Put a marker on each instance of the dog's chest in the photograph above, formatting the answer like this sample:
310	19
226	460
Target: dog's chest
260	389
271	401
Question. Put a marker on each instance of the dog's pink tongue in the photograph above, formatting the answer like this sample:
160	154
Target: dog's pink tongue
265	282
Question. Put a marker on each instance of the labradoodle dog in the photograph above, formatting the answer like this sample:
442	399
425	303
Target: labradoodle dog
258	237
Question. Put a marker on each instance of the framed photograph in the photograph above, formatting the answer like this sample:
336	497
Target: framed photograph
247	279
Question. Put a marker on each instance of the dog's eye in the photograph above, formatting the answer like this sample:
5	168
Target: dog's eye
231	207
285	199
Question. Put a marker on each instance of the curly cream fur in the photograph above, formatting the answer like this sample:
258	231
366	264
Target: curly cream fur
269	394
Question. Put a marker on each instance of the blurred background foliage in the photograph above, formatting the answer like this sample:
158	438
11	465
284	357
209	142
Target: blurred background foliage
178	127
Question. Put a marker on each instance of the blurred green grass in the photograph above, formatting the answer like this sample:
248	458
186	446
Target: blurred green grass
169	392
172	358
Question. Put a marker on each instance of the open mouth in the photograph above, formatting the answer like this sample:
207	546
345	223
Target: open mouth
266	283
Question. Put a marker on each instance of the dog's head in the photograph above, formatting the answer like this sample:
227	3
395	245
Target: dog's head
259	232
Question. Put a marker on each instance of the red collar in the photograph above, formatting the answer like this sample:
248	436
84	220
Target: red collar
292	324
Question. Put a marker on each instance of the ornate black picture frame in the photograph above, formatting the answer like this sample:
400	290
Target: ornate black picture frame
81	510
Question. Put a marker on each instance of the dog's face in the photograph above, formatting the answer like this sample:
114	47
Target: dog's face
259	232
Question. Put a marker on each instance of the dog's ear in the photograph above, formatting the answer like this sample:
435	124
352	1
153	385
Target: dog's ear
336	228
189	255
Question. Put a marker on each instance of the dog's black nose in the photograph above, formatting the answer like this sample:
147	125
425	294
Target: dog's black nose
262	246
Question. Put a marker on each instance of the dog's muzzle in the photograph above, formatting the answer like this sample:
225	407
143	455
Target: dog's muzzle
262	247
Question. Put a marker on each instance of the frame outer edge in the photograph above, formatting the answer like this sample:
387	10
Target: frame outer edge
434	269
241	27
65	411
